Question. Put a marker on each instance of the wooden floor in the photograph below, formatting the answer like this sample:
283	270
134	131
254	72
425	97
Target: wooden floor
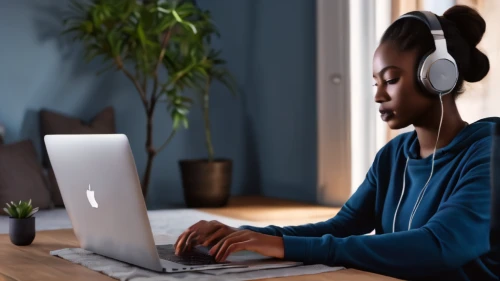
35	263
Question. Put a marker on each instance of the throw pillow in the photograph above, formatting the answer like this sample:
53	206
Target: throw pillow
2	133
21	176
54	188
52	122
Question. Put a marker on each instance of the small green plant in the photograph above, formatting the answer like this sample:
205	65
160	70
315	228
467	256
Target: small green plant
22	210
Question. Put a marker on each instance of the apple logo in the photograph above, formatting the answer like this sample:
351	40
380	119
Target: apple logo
91	198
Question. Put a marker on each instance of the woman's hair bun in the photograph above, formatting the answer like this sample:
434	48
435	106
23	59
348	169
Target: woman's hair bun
479	66
468	21
471	27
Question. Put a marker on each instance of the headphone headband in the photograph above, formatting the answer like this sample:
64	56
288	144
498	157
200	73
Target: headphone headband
428	18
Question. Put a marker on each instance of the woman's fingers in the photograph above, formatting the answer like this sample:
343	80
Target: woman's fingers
195	235
179	238
187	231
222	245
208	231
214	237
191	241
217	231
233	248
225	245
202	233
213	251
266	245
181	242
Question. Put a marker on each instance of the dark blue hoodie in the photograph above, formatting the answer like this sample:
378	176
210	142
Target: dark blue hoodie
449	235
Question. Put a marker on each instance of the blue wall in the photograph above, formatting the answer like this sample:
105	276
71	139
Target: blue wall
269	130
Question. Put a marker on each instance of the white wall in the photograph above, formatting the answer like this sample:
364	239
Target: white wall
438	6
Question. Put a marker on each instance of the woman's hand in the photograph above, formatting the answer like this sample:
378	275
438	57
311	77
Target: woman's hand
202	233
267	245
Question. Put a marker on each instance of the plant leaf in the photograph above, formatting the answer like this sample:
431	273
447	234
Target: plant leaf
182	110
141	35
33	212
176	16
19	212
163	10
28	210
190	25
176	121
13	212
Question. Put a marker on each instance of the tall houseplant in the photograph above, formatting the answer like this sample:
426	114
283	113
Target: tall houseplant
150	42
207	181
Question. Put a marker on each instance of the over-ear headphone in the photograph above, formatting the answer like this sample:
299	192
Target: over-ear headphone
437	71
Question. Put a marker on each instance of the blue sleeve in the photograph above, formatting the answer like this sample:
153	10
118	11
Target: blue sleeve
456	234
356	217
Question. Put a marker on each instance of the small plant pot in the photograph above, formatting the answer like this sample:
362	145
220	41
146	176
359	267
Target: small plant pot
22	231
206	184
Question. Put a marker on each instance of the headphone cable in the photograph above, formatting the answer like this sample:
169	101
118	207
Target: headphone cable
422	192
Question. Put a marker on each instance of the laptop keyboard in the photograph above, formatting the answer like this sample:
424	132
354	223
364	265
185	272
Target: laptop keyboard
167	252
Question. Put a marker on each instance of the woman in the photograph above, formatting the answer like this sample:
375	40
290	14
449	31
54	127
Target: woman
427	193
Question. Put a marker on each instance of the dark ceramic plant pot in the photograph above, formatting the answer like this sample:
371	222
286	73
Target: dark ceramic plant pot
22	231
206	184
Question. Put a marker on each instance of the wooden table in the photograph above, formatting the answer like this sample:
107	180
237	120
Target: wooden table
35	263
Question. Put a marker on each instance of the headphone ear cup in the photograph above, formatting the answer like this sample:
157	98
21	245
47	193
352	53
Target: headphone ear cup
443	75
420	82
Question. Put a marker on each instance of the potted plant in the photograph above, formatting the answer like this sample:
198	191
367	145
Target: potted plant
21	222
207	181
155	44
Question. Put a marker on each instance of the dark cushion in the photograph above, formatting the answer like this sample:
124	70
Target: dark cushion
21	176
55	194
52	122
2	133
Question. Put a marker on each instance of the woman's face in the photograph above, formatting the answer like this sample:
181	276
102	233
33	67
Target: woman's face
402	102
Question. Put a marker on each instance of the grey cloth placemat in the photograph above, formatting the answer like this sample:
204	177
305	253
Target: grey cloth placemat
124	271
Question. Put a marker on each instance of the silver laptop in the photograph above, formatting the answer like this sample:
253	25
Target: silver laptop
101	190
